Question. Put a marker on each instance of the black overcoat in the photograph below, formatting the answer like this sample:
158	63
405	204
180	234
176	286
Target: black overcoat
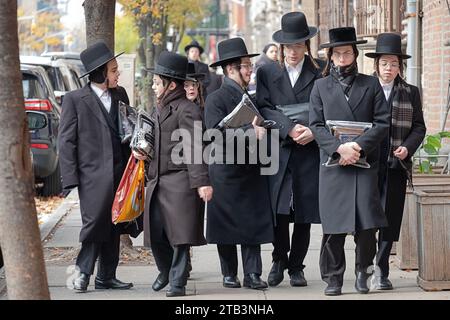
274	88
91	157
349	198
239	212
392	179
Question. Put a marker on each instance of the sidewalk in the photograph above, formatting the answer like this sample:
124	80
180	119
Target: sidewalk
206	281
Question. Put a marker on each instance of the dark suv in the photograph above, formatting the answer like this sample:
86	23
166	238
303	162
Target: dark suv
43	119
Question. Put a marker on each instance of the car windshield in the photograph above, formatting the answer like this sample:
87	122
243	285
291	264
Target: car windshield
31	87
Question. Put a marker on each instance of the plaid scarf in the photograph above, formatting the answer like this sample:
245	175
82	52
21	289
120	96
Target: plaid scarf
401	122
345	75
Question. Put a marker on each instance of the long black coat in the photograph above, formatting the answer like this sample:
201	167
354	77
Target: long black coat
172	186
239	212
349	196
274	88
92	157
392	180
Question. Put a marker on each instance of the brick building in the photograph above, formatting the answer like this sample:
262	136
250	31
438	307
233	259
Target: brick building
424	25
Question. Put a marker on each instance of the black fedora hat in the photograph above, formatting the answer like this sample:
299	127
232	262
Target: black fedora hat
171	65
194	44
96	56
192	75
388	43
231	49
342	37
294	29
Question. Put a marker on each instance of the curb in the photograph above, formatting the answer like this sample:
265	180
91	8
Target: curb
46	229
64	208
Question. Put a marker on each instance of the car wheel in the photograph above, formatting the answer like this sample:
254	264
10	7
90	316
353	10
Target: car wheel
52	184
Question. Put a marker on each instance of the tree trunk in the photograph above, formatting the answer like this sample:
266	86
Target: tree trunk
100	17
19	232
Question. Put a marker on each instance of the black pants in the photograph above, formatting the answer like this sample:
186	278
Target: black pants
251	259
298	246
170	260
332	255
107	254
382	260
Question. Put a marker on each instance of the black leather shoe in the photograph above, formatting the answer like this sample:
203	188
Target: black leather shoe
231	282
381	283
276	274
298	279
333	291
361	282
253	281
161	281
81	283
113	283
176	291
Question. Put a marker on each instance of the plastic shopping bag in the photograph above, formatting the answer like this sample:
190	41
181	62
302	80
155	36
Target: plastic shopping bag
129	200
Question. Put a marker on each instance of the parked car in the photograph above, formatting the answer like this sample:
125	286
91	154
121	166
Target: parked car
43	120
62	75
73	60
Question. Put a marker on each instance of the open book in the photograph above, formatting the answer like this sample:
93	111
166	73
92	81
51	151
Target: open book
242	114
347	131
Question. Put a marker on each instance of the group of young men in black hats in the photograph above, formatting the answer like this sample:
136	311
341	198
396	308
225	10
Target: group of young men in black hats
247	208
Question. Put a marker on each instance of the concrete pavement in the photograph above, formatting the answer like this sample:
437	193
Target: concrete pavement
61	231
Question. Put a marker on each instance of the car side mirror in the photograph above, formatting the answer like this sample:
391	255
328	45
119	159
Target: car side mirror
36	120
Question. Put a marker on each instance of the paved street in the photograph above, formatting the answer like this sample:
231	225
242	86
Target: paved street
206	281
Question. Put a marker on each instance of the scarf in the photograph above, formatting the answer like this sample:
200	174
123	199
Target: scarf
345	75
401	122
170	96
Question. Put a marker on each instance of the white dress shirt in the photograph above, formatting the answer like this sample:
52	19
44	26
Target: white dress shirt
387	88
104	96
294	72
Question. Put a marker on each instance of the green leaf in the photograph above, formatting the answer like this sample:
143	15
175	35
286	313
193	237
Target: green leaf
430	149
435	141
424	166
444	134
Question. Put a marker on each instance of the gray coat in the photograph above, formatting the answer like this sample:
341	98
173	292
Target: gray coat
349	199
274	88
173	187
92	158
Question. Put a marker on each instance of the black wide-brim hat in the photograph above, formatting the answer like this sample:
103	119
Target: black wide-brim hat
342	37
96	56
192	75
171	65
194	44
231	49
294	29
388	44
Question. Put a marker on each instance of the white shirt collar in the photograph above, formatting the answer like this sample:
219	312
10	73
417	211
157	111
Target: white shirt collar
297	68
387	86
294	72
99	92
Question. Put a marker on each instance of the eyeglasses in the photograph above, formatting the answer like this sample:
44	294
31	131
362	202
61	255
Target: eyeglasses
345	55
247	66
385	64
188	85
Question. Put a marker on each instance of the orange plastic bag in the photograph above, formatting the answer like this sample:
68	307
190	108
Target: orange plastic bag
129	200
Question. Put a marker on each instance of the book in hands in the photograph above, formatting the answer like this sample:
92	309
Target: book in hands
347	131
243	114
